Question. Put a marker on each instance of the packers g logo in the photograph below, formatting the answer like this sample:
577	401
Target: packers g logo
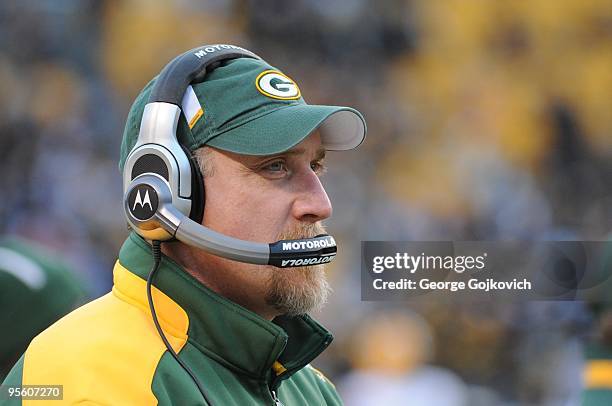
276	85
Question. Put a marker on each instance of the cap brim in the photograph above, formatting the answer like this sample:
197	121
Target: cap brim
341	128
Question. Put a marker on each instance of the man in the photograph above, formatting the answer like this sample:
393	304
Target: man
36	289
241	329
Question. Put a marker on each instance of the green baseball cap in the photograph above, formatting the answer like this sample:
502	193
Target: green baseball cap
249	107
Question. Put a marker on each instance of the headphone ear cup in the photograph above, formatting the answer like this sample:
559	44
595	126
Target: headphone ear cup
197	188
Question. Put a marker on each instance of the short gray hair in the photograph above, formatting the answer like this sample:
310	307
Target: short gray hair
203	157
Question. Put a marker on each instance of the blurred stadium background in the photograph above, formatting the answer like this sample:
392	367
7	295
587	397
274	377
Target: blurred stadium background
487	120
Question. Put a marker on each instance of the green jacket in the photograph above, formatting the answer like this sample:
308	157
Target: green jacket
108	351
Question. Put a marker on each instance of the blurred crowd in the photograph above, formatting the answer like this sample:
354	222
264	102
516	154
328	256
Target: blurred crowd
487	121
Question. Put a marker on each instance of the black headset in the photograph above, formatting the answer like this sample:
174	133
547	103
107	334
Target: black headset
163	187
164	190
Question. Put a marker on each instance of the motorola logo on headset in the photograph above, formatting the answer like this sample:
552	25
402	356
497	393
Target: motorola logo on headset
143	202
308	261
276	85
202	52
324	242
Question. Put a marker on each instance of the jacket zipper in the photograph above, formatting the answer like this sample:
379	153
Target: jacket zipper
277	401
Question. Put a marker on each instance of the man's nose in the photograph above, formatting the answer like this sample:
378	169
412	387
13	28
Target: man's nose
312	203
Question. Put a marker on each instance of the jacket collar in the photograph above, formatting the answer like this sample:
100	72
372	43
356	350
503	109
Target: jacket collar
223	330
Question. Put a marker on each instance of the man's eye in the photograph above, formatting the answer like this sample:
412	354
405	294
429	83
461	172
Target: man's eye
277	166
318	167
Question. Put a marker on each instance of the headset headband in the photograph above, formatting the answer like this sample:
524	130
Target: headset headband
189	67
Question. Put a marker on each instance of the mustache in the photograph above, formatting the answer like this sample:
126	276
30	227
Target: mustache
303	230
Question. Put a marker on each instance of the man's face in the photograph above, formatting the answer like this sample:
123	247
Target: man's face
265	199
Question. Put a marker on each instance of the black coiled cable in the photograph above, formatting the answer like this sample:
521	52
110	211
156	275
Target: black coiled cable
156	249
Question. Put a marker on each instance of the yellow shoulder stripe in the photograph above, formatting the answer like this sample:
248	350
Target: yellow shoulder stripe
598	374
108	350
